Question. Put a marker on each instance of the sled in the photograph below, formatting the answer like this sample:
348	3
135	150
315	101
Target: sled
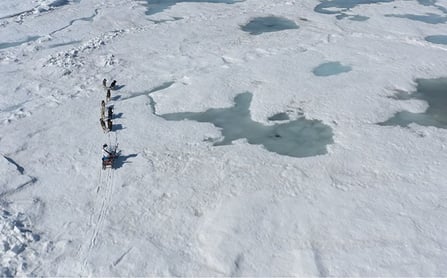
109	161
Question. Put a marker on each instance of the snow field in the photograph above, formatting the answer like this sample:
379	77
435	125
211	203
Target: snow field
372	206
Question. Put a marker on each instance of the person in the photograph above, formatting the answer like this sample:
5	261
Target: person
108	95
104	82
110	112
107	154
103	108
112	85
103	124
109	124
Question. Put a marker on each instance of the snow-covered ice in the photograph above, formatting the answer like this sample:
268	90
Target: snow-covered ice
198	189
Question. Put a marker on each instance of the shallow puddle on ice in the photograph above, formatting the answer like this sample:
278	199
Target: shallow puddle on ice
157	6
438	39
17	43
358	18
59	3
279	117
434	92
64	44
339	7
352	17
297	138
261	25
331	68
429	18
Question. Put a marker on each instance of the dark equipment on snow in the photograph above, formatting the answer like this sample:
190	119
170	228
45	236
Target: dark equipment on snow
109	124
109	156
103	124
110	112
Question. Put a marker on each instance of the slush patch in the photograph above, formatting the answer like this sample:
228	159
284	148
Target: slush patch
279	117
429	18
260	25
158	6
433	91
297	138
340	7
438	39
17	43
331	68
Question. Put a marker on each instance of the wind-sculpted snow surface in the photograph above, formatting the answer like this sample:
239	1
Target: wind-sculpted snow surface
294	177
10	9
19	245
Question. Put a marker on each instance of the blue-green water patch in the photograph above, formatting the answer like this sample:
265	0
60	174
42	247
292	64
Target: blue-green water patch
297	138
429	18
265	24
88	19
339	7
358	18
17	43
157	6
434	92
438	39
433	3
279	117
352	17
59	3
330	68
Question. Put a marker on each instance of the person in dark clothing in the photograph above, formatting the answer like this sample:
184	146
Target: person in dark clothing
106	153
104	82
108	156
108	95
110	112
109	124
112	85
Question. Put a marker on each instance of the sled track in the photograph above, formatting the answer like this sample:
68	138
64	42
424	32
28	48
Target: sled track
104	193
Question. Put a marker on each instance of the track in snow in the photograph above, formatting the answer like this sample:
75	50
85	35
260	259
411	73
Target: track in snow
104	193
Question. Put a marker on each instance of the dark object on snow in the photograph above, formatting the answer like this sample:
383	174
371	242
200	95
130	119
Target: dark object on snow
112	85
103	125
110	112
109	124
108	95
109	155
104	82
103	109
